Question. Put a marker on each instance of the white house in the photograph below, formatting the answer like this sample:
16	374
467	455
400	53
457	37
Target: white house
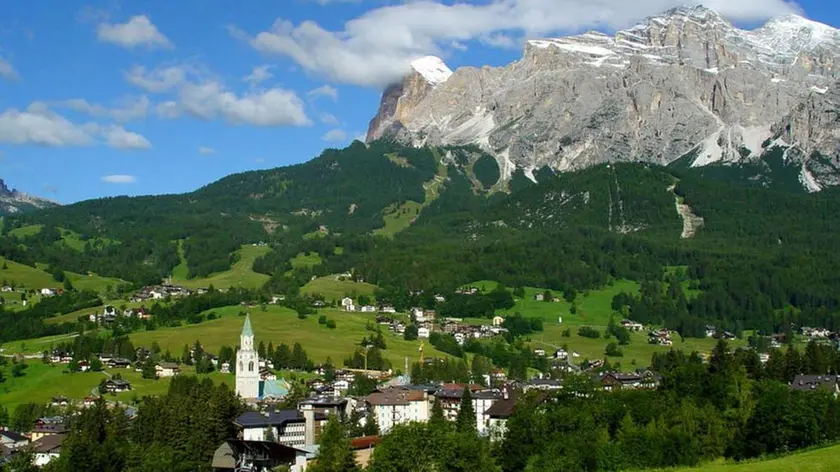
423	332
289	427
47	292
368	309
417	313
396	406
498	320
47	449
167	369
347	304
387	309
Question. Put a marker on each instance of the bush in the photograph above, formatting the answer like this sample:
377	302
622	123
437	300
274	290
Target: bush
587	332
612	350
331	324
322	319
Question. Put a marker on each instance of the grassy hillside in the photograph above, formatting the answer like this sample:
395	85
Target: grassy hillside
306	261
817	460
241	274
281	325
333	289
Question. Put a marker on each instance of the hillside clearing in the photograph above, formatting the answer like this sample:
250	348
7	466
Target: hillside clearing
241	274
333	288
816	460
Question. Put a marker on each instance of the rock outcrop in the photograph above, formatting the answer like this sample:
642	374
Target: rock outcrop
686	82
13	201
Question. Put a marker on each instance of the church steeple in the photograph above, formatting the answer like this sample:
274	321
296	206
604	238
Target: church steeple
247	361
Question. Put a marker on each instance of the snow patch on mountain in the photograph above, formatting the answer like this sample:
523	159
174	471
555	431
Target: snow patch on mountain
433	69
807	179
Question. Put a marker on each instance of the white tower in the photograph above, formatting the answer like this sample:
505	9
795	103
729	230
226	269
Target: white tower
247	364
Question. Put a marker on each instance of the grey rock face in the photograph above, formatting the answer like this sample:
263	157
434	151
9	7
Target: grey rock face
684	81
13	201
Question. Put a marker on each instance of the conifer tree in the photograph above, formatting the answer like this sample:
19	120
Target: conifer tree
334	454
465	421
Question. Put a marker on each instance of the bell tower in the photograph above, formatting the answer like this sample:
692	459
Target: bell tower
247	364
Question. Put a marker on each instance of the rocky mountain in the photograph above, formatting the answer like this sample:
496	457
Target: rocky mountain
686	83
13	201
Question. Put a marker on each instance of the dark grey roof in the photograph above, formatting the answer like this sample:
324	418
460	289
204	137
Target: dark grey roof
325	401
13	435
254	419
814	382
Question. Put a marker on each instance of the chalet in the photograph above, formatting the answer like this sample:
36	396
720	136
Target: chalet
631	325
711	331
119	363
423	332
47	449
815	333
12	439
48	292
497	416
561	354
276	299
498	376
347	304
237	455
482	399
395	406
167	369
543	384
84	366
629	381
728	336
539	352
48	426
89	401
498	320
117	385
417	314
368	309
7	289
288	427
806	383
267	374
660	337
539	297
763	357
341	407
429	315
225	368
387	309
467	291
440	298
60	401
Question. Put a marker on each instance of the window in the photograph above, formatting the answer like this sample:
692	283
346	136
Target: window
251	366
241	366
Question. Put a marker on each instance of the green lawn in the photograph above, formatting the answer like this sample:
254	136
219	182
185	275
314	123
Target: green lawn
398	218
281	325
306	261
241	274
92	282
29	277
817	460
25	231
594	307
333	289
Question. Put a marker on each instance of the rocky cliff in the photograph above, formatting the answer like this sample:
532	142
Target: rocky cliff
686	82
13	201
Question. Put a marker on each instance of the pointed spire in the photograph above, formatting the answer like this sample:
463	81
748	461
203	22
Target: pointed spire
246	330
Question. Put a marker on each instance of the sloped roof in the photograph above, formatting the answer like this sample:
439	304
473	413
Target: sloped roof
246	329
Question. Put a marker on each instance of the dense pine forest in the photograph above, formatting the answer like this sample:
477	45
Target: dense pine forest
765	256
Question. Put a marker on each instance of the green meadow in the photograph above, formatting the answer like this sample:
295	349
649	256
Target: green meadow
334	289
241	274
816	460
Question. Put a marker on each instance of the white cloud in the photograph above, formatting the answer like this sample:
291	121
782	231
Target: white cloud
272	107
38	125
259	74
126	109
157	80
119	179
328	119
334	135
205	151
375	48
138	31
324	91
7	71
168	109
118	137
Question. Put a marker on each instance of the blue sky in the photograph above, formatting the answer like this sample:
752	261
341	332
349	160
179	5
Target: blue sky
111	98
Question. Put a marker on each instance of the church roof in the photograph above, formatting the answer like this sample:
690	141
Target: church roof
246	330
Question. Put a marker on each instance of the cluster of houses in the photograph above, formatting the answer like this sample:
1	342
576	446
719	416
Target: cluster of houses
660	337
110	314
161	292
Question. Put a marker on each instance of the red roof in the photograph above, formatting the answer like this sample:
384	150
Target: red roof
365	442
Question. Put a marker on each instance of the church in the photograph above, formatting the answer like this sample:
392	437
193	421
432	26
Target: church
249	385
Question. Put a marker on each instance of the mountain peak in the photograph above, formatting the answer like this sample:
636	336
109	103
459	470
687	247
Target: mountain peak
432	68
793	33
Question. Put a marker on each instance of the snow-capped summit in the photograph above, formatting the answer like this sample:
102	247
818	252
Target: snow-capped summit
13	201
432	68
792	34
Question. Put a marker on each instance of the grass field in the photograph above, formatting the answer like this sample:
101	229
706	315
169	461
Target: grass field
281	325
333	289
241	274
25	231
398	217
29	277
816	460
306	261
594	308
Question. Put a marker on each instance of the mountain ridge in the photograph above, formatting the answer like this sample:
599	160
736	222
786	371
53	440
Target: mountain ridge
13	201
680	82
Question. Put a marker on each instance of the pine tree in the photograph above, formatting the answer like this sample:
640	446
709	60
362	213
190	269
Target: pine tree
437	417
465	421
334	454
